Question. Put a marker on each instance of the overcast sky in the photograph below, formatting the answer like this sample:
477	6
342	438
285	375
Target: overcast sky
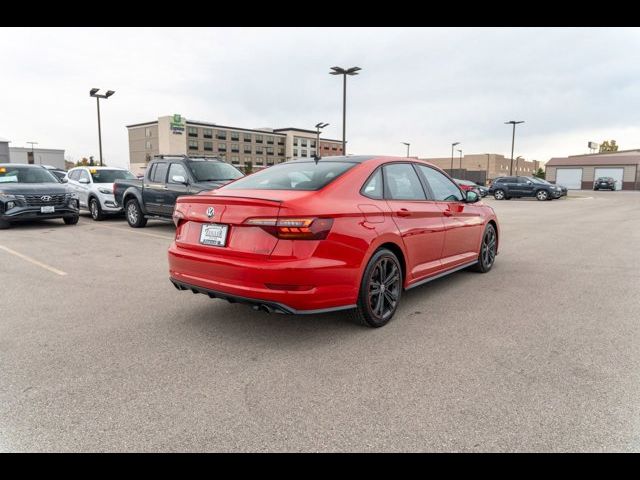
427	86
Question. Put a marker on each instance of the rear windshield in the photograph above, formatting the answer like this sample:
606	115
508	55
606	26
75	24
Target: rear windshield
208	171
110	176
293	176
26	175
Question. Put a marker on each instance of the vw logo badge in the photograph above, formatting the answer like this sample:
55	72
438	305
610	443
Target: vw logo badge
210	212
45	198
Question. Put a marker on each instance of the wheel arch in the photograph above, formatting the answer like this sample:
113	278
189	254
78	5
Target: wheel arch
130	193
395	247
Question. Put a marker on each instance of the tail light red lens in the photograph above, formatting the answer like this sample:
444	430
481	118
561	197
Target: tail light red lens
294	228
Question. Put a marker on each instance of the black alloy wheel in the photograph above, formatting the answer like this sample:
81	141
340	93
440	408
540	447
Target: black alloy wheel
380	290
488	249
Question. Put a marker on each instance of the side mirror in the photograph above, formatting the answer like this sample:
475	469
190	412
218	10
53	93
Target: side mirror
529	182
64	180
179	179
472	196
84	180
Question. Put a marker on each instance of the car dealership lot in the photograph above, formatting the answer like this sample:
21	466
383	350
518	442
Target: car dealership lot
98	351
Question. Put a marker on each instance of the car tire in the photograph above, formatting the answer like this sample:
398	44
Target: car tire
542	195
4	224
377	306
595	189
96	210
499	194
71	220
134	214
488	247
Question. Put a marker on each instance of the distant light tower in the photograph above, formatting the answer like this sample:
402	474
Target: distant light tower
518	163
513	138
344	72
408	145
452	146
94	93
32	154
319	126
460	151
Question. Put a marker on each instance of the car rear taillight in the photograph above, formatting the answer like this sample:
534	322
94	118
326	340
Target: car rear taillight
178	214
294	228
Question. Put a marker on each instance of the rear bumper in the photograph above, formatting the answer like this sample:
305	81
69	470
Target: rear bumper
328	284
256	303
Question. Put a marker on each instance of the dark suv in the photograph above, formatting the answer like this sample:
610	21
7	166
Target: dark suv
30	192
604	182
505	188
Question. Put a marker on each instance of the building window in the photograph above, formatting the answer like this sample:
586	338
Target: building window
222	147
221	135
304	142
258	138
304	153
247	149
269	163
235	136
280	141
147	145
247	137
235	159
295	141
295	152
259	161
270	140
259	150
334	148
193	132
147	132
193	144
235	147
208	146
247	159
207	133
281	151
269	150
313	143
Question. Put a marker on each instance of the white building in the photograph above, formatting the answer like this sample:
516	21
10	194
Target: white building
37	156
4	150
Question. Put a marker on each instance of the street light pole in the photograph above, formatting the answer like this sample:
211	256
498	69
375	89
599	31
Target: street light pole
408	145
344	72
318	127
32	154
452	146
518	164
486	180
94	93
460	161
513	138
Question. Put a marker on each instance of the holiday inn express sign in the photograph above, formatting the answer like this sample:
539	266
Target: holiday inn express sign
177	124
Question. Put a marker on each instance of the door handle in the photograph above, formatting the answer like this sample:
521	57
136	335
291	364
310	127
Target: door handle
447	213
403	212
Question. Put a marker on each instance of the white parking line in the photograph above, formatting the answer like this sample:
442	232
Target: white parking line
32	260
129	230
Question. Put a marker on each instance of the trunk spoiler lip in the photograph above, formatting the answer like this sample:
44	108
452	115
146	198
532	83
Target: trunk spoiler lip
196	198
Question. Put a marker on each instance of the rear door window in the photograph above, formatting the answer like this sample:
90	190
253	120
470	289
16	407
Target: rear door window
402	182
159	174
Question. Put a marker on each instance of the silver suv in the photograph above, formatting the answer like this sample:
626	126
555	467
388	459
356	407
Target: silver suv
94	186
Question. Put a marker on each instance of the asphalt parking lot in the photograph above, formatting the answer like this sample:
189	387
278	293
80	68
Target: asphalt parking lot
99	352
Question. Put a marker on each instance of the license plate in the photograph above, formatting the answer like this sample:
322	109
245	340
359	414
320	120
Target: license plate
47	209
214	234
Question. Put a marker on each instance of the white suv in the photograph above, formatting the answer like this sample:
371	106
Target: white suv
94	186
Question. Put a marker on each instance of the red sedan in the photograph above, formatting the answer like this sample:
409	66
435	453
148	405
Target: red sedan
342	233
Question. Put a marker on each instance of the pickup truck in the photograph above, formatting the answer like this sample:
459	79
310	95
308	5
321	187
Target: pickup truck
167	178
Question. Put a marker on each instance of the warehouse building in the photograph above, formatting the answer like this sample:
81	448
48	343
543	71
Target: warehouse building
578	172
262	147
484	167
37	156
4	150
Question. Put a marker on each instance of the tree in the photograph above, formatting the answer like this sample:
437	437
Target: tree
248	168
539	173
608	146
82	163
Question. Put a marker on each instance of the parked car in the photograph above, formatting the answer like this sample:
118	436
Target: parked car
505	188
167	178
31	192
94	186
607	183
352	236
58	172
469	185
